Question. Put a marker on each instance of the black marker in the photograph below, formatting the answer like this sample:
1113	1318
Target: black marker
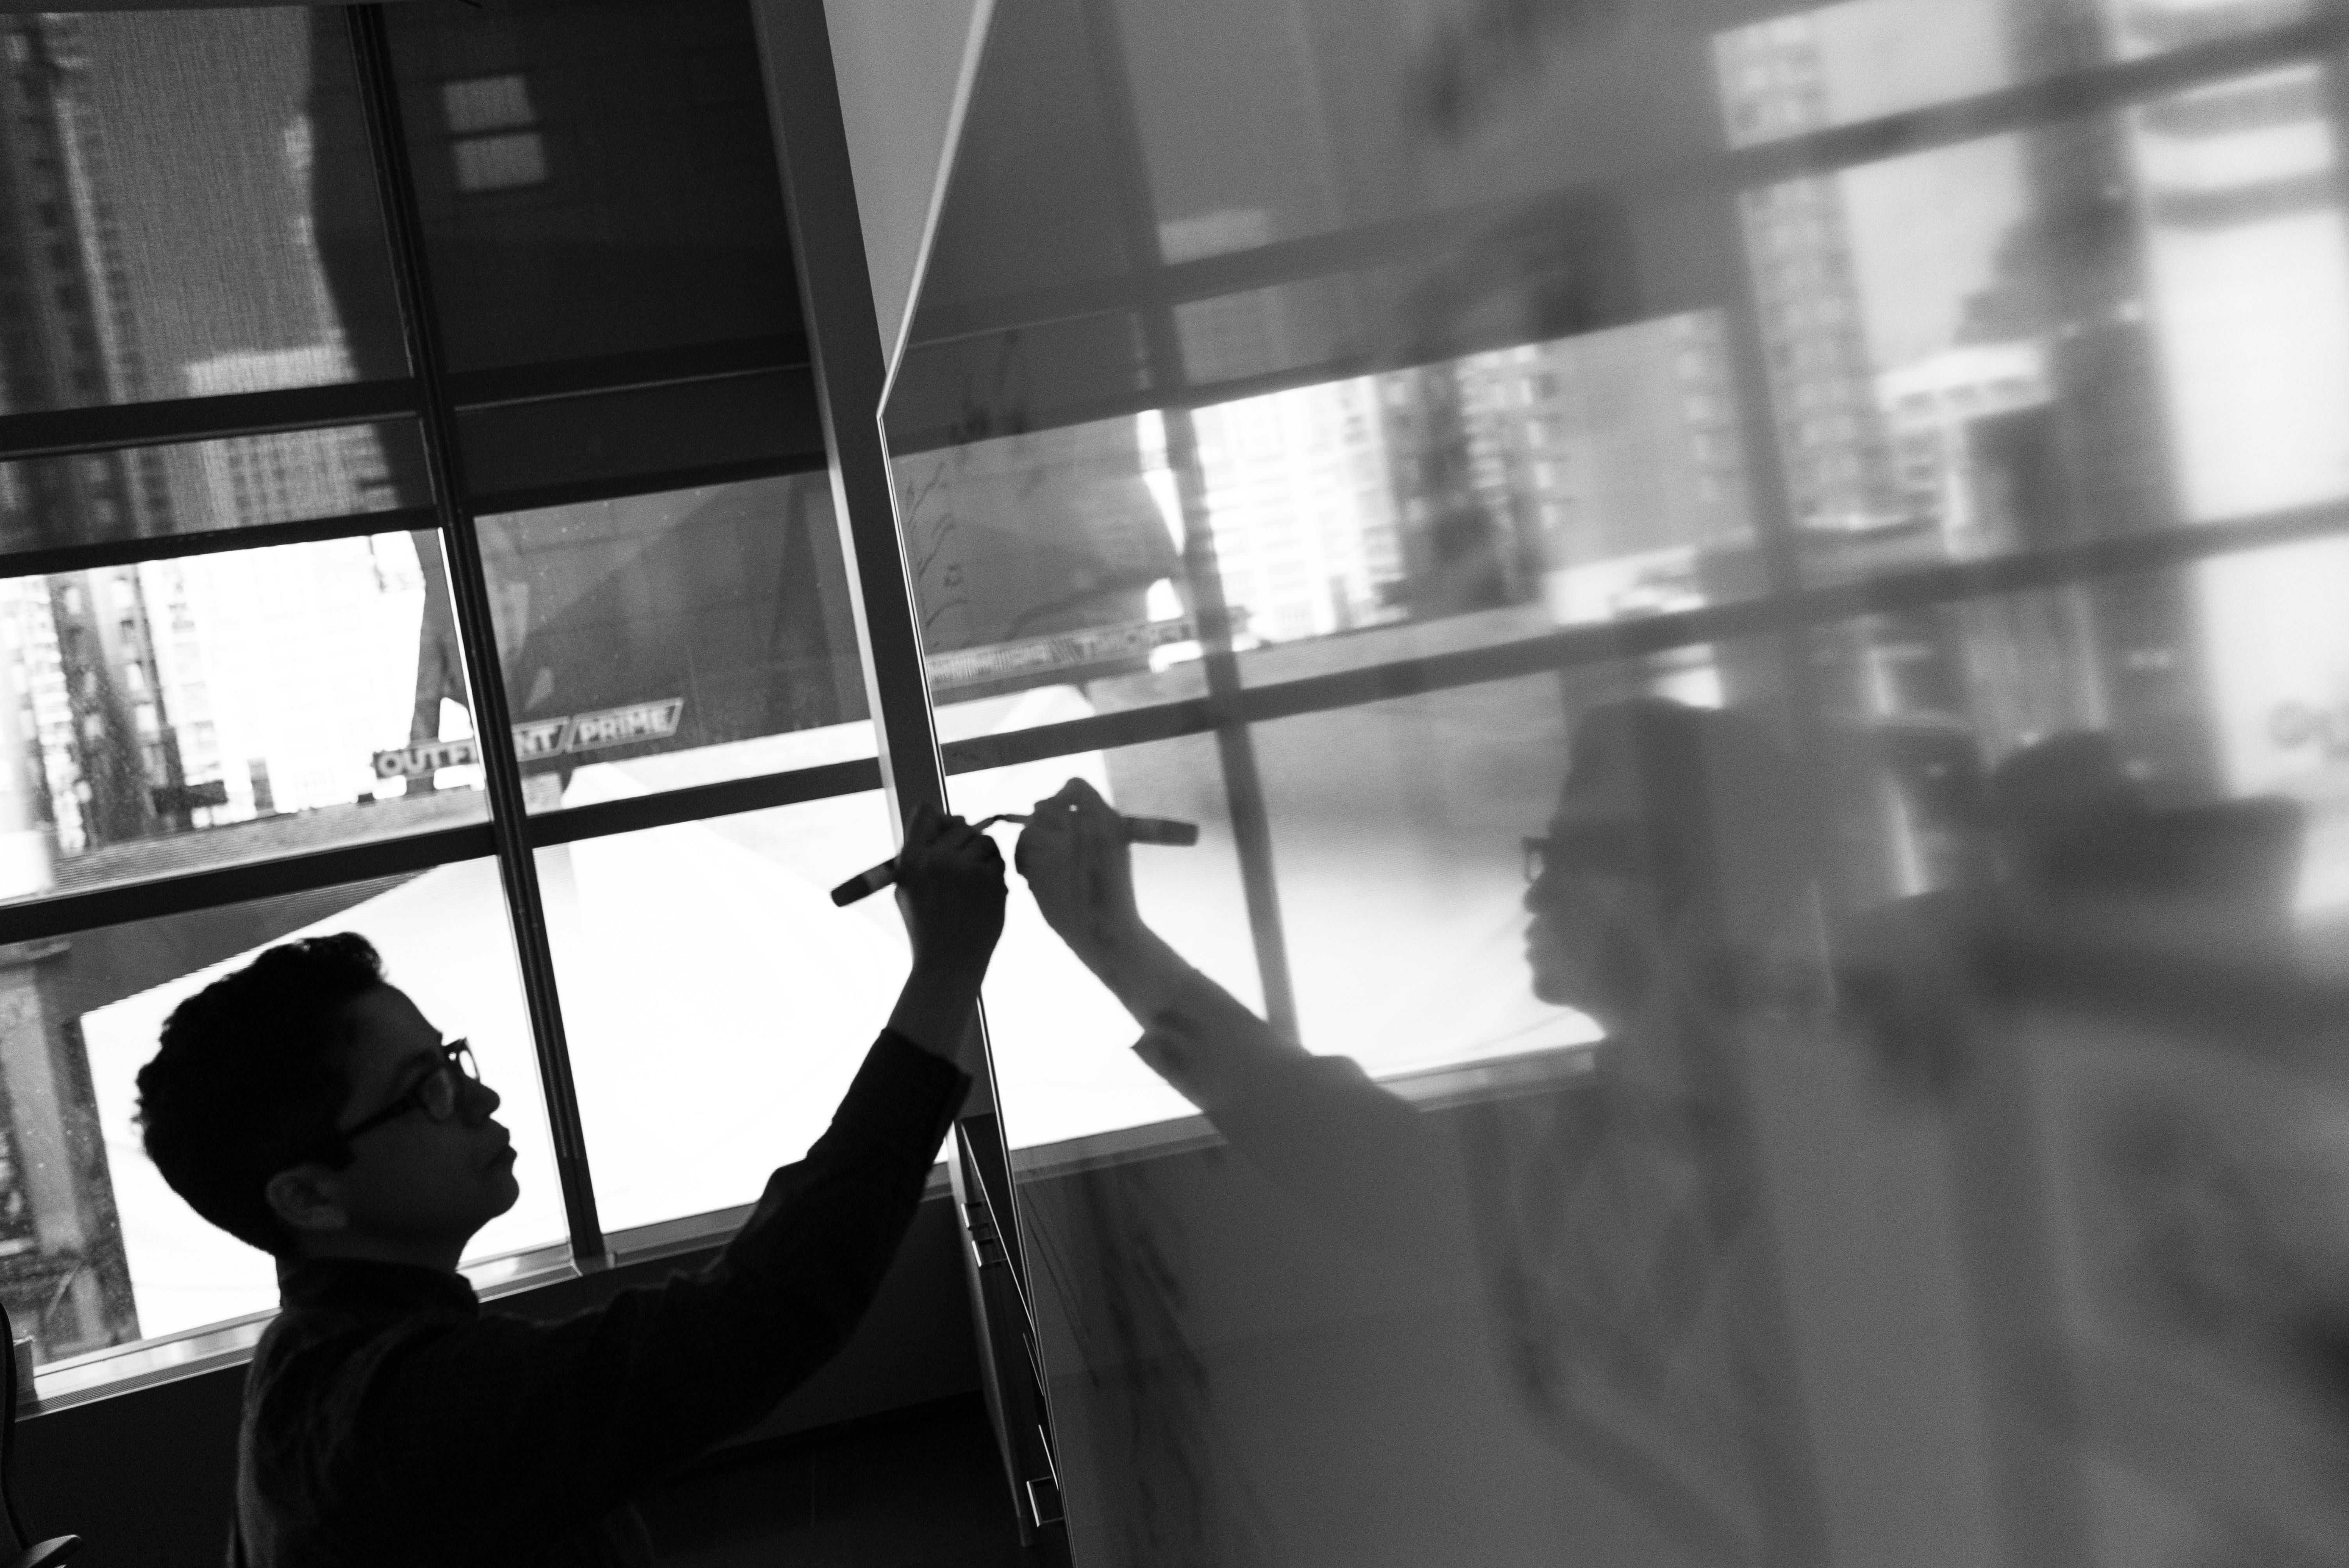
1138	830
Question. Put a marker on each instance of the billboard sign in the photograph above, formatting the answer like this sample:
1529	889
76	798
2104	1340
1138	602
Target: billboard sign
542	737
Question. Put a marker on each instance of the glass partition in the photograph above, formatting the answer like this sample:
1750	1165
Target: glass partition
1747	599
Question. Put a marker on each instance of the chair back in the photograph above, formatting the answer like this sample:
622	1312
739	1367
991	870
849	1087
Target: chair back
17	1548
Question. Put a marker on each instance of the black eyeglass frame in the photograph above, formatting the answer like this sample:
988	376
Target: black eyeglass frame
1609	851
456	1057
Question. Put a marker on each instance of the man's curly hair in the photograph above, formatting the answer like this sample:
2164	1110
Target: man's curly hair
251	1079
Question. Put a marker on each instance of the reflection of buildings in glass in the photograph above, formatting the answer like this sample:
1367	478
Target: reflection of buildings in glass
1230	337
1806	291
1615	456
1459	551
588	186
1298	494
1940	409
2179	294
1024	535
2246	276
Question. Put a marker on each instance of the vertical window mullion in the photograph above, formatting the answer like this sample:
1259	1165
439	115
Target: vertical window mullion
1243	792
844	344
468	590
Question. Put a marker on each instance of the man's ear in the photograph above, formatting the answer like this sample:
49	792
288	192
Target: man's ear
305	1198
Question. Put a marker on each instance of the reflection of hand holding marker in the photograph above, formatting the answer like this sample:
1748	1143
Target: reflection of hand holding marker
1138	830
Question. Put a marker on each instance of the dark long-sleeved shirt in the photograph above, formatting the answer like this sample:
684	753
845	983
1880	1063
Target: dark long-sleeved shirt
389	1420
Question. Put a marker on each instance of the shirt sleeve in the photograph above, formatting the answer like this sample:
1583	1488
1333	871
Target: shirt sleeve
1359	1157
497	1434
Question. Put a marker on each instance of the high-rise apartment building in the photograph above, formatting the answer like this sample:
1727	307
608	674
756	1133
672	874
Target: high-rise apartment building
277	662
86	742
67	340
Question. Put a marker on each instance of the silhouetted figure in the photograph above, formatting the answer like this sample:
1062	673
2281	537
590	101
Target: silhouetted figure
306	1106
1620	1228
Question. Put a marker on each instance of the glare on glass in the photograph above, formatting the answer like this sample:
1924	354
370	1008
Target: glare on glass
715	947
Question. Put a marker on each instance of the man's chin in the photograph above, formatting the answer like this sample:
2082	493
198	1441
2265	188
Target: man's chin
1575	986
1561	987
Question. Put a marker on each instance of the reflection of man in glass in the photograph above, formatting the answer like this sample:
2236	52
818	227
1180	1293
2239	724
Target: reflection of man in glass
1617	1224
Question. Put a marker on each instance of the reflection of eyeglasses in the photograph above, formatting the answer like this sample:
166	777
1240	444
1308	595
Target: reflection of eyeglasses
435	1094
1608	852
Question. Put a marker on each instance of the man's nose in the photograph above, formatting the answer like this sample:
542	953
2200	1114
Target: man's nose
481	1100
1542	892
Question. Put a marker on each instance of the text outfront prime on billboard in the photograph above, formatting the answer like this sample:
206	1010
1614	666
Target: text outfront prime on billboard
542	737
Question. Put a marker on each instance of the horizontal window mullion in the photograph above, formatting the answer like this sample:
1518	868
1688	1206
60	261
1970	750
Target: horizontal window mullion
698	801
214	541
62	432
637	372
621	487
1315	257
1568	647
153	898
1574	646
2047	100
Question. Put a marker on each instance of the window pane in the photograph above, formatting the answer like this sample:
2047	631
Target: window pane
640	209
196	486
714	1001
173	212
182	714
95	1249
1485	500
660	641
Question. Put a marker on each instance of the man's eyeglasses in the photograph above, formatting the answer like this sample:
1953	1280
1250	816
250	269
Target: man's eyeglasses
436	1094
1589	852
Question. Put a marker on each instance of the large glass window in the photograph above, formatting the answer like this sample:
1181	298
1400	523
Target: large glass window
1746	600
254	569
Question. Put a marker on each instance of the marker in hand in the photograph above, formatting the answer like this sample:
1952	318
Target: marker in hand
1138	830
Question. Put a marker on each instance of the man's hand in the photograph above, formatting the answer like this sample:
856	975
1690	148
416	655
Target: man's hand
950	890
1078	863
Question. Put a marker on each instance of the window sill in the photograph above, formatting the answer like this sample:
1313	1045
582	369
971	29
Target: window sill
510	1277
